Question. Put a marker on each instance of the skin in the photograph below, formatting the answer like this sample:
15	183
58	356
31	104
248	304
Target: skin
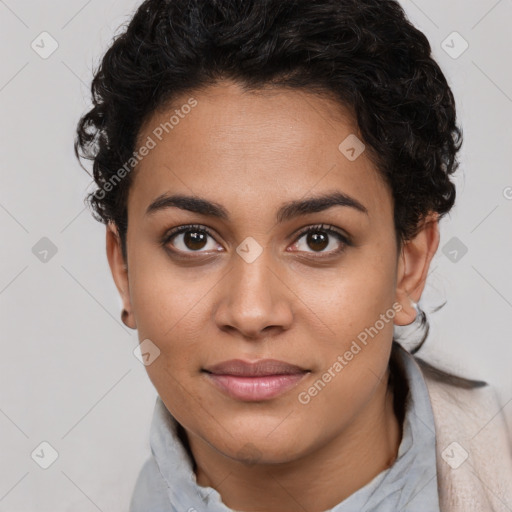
251	152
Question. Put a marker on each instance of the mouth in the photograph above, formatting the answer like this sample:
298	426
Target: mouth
258	381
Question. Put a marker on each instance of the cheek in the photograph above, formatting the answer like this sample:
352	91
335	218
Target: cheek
355	351
165	298
351	297
169	315
357	307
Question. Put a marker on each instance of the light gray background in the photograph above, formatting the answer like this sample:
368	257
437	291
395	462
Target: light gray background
68	374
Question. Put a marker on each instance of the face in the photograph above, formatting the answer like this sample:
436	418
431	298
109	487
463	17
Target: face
246	280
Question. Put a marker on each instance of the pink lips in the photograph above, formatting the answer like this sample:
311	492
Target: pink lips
257	381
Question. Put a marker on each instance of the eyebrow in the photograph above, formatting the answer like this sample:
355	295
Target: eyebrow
286	212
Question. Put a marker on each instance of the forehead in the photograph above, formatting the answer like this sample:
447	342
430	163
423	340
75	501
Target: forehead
257	147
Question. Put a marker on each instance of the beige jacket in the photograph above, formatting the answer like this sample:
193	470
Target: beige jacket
473	446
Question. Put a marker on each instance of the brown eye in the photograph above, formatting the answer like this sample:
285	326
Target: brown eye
194	240
188	239
318	238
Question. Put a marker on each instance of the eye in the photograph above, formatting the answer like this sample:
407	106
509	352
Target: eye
194	238
321	237
191	238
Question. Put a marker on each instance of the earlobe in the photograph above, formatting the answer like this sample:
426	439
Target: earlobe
413	265
119	272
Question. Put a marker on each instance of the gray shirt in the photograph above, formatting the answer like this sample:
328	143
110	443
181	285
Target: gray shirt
167	482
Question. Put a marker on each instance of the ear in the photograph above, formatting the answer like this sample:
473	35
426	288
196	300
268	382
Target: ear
413	266
119	271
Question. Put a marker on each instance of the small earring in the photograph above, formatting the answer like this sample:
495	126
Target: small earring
124	316
416	307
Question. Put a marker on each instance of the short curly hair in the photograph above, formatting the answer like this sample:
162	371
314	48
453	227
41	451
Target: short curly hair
364	53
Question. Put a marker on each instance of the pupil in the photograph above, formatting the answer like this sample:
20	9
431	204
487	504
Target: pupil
319	239
194	239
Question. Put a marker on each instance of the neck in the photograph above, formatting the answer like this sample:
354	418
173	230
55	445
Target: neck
316	482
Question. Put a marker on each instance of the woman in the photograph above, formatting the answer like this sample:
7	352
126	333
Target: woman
272	174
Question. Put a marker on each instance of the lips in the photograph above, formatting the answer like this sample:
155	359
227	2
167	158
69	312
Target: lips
264	367
255	382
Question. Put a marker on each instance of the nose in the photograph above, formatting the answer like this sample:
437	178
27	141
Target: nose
254	299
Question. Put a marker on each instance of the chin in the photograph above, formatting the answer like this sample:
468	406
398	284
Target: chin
253	449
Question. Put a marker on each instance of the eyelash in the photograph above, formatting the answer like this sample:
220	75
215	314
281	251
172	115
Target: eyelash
326	228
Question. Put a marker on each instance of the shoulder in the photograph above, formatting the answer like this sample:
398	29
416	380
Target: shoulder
466	404
473	443
467	408
474	397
